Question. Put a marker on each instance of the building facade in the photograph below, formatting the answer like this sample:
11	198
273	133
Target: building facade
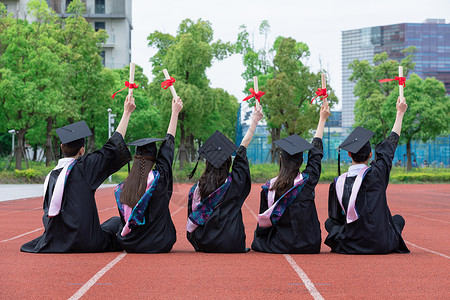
432	57
114	16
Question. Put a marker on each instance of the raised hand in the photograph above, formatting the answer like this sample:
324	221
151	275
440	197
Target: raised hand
257	113
324	110
177	105
129	106
401	105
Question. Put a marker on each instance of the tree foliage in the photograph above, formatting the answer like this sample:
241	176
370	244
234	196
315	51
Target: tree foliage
428	106
187	56
288	82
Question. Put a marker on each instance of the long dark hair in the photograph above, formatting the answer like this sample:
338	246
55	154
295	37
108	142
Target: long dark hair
136	183
213	178
288	171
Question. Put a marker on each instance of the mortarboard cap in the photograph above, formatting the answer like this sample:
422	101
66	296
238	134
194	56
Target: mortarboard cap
217	149
293	144
357	140
145	146
73	132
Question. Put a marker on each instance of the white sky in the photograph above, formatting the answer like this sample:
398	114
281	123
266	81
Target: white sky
318	23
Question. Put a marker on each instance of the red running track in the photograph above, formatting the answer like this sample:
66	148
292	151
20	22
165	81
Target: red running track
424	273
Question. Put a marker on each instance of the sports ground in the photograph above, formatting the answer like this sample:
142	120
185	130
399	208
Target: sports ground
183	273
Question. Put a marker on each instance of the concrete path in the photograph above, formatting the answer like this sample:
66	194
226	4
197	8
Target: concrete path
20	191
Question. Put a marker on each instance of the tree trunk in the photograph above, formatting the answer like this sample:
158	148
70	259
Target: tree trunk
20	148
193	152
90	147
408	156
48	143
183	154
274	150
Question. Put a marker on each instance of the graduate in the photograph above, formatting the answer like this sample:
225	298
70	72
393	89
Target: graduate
70	218
143	198
215	201
359	218
287	220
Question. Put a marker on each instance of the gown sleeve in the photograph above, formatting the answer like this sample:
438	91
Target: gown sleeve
314	164
164	160
385	152
334	208
240	171
263	206
99	165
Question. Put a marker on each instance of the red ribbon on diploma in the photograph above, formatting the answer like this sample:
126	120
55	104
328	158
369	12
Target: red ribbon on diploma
320	93
169	82
257	95
127	85
401	80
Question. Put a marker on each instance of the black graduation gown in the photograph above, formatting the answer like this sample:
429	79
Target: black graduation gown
77	227
374	232
298	230
224	229
158	233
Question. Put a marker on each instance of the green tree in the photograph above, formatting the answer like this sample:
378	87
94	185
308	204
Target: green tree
187	56
29	69
372	94
289	84
428	113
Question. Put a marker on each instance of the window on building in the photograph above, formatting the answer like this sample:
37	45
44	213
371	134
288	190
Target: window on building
102	55
99	25
99	6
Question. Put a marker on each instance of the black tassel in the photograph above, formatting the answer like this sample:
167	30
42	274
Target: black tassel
195	169
128	167
339	162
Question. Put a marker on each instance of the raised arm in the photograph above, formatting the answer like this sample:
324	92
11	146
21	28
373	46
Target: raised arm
177	105
128	108
257	116
324	114
401	109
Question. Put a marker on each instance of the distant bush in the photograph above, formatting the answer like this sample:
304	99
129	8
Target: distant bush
30	175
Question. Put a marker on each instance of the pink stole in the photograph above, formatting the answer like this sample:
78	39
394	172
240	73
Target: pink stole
351	214
264	218
128	210
58	191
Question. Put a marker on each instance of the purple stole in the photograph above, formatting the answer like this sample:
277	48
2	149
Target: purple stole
351	213
205	207
273	214
134	217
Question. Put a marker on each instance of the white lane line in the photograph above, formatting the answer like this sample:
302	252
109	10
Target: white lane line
96	277
107	209
18	211
83	290
308	283
428	250
21	235
418	216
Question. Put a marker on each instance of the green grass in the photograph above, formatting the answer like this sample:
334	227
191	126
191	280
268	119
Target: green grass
260	173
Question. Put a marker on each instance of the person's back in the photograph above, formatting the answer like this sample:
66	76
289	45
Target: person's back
143	198
360	221
70	217
214	203
287	221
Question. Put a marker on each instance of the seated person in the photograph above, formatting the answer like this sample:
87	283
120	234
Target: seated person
287	221
215	201
360	221
143	198
70	218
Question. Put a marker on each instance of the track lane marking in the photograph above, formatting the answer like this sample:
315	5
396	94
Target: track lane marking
308	283
85	288
96	277
21	235
419	216
428	250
